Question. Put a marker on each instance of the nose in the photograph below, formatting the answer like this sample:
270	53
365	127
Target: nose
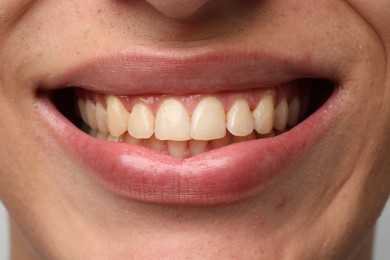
178	9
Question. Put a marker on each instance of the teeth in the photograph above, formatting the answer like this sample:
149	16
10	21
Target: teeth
239	119
208	120
197	146
101	118
172	121
177	148
217	143
263	115
91	111
117	116
293	111
237	139
141	122
155	144
82	110
130	139
114	139
173	131
281	115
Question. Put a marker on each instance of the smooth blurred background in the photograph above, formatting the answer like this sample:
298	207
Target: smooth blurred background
382	245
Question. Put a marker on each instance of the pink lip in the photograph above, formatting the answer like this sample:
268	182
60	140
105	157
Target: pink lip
224	175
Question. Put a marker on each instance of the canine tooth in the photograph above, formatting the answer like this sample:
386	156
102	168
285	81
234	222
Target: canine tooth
130	139
293	111
82	110
281	115
117	116
197	146
208	120
263	115
239	119
237	139
91	111
101	118
177	148
226	140
155	144
172	121
141	122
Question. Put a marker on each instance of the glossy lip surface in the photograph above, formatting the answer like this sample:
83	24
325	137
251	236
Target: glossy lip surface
223	175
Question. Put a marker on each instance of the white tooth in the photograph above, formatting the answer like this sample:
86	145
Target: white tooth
226	140
239	119
101	118
208	120
82	110
177	148
281	115
141	122
172	121
197	146
91	114
263	115
293	111
155	144
117	116
237	139
130	139
115	139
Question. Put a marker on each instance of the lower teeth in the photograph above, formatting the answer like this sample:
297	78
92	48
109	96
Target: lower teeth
179	149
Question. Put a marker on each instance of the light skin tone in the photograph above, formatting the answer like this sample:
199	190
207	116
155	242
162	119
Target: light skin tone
324	207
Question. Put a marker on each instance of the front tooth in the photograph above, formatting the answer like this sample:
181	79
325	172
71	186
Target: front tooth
197	146
239	119
117	116
281	115
172	121
82	110
263	115
101	118
91	111
293	111
141	122
177	148
208	120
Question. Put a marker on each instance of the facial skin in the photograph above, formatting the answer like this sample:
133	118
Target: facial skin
323	207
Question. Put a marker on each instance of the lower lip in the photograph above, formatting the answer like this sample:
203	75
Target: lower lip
224	175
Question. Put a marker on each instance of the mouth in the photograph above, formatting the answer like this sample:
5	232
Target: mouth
194	144
185	126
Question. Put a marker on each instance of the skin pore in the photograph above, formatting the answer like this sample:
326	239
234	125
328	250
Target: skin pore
323	205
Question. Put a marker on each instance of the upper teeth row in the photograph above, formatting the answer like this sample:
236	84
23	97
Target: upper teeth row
172	121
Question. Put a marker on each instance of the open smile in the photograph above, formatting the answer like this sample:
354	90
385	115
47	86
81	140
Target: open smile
192	129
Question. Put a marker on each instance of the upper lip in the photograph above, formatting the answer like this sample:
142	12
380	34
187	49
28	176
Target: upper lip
187	71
